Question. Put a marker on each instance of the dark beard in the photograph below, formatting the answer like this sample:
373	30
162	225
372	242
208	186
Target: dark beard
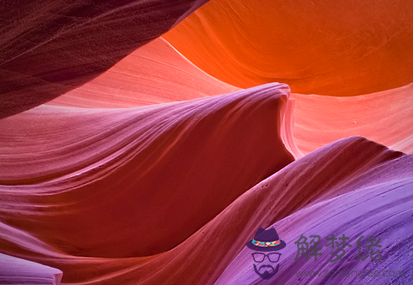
266	274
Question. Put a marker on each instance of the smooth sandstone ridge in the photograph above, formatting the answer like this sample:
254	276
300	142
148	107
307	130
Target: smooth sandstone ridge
157	73
138	181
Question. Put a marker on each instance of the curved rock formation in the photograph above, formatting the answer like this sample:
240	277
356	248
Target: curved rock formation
116	182
324	47
155	73
299	197
50	47
385	117
138	181
375	200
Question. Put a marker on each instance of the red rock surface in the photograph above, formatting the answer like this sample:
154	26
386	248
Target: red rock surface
50	47
167	169
358	171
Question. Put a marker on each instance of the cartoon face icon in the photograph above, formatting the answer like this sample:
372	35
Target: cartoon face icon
265	264
266	245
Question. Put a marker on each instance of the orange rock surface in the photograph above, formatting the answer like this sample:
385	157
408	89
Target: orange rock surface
323	47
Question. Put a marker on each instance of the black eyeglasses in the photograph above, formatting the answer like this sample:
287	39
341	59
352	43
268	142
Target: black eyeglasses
259	257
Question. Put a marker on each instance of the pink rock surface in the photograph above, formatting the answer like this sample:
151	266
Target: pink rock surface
155	73
385	117
50	47
312	194
138	181
374	199
19	271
